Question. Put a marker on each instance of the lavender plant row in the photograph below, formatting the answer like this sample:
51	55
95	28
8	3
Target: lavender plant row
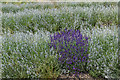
56	19
15	7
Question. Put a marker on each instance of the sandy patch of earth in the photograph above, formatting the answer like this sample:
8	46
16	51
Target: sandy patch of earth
83	76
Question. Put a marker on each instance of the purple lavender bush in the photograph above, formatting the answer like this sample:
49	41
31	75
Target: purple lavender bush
72	48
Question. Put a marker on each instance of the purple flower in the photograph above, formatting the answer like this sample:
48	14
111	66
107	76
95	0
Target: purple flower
66	51
87	55
78	69
66	29
55	46
83	59
65	45
68	66
61	52
73	68
58	40
62	42
72	47
81	54
76	58
86	38
69	62
60	59
79	59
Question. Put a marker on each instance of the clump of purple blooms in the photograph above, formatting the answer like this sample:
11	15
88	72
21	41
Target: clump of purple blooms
72	47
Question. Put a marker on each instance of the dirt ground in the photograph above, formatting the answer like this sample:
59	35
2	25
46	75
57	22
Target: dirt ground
81	76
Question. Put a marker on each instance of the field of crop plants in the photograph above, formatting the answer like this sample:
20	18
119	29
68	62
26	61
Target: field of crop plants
46	40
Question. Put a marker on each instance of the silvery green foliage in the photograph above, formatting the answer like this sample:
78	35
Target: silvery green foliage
23	56
103	51
54	19
12	7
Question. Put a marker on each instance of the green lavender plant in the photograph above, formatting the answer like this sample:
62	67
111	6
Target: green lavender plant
28	56
103	52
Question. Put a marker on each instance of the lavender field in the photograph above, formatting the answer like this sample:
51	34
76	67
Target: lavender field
46	40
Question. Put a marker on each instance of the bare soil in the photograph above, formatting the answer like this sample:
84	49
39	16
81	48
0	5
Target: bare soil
81	76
